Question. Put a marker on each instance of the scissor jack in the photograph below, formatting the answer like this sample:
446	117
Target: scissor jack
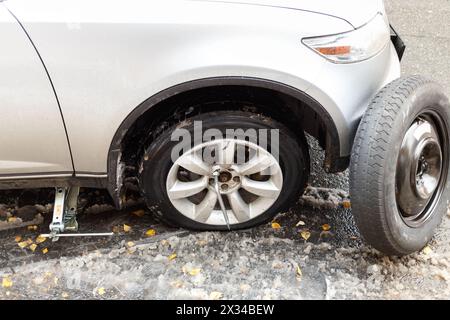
65	215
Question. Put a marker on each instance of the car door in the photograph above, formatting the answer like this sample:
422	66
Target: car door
33	140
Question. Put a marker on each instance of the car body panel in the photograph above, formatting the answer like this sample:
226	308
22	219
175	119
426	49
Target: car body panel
32	136
355	12
104	63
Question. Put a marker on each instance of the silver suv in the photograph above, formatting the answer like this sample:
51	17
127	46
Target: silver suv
203	105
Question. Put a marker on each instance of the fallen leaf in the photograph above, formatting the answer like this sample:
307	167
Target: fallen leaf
139	213
101	291
40	239
23	244
29	241
130	244
298	274
126	228
45	251
326	227
33	247
7	282
177	284
305	234
64	295
172	256
300	223
275	225
216	295
427	250
12	219
32	228
346	204
150	233
194	272
18	239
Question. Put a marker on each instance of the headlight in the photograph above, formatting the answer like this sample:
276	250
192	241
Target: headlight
358	45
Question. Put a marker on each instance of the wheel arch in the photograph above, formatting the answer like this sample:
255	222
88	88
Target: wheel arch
314	119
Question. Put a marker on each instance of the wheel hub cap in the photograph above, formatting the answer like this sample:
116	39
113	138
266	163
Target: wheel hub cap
419	168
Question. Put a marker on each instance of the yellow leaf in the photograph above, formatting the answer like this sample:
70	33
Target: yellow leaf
305	234
150	233
346	204
18	239
130	244
275	225
7	282
101	291
33	247
299	273
64	295
40	239
427	250
45	251
29	241
12	219
300	223
326	227
216	295
194	272
139	213
32	228
126	228
172	256
23	244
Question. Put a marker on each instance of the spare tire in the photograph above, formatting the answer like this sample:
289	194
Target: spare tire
399	166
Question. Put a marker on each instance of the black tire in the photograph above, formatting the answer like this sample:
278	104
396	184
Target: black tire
374	163
156	163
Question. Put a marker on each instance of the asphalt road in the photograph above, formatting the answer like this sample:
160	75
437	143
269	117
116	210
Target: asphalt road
259	263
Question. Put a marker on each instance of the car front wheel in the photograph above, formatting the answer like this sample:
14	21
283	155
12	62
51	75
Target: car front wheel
231	181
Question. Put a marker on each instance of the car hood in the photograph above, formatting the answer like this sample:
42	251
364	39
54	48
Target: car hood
355	12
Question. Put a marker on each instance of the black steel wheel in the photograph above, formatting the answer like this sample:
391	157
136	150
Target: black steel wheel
400	166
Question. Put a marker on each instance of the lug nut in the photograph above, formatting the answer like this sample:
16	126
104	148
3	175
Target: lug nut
224	187
236	179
